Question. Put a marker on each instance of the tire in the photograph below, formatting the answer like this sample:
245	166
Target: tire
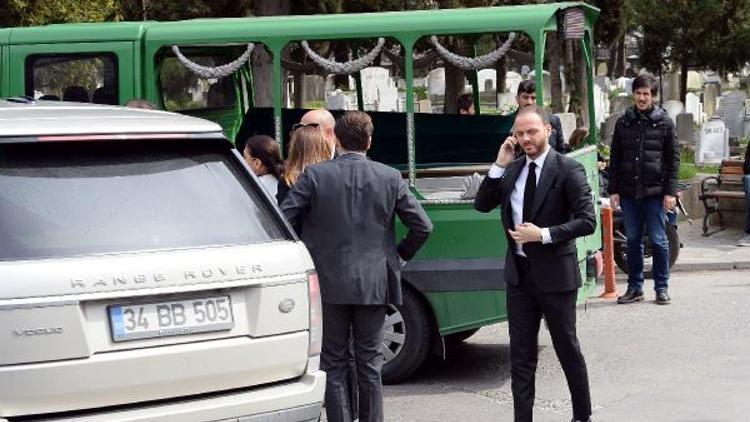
459	337
408	338
621	255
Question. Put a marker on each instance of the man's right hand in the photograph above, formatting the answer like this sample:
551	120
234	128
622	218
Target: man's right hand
614	201
506	155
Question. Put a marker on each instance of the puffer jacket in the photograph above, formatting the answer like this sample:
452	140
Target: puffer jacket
645	156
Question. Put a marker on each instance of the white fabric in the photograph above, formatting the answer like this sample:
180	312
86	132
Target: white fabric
516	197
270	184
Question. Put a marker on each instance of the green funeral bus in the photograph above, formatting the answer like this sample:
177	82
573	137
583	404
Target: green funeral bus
259	75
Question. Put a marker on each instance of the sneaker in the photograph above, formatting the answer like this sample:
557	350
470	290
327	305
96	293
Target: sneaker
630	296
744	240
662	297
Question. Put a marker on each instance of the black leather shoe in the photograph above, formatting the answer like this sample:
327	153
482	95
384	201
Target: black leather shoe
630	296
580	420
662	298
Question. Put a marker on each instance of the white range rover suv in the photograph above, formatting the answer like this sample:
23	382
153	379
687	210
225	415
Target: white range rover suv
145	275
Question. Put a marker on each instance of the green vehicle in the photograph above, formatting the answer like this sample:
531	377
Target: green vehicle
455	285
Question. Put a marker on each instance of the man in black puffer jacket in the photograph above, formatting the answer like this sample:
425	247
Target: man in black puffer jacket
643	170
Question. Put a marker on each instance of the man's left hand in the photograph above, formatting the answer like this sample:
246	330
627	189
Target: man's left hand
525	233
669	202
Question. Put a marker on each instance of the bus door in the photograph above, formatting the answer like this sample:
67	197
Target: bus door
102	73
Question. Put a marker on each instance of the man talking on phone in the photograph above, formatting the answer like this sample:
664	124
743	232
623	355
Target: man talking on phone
545	203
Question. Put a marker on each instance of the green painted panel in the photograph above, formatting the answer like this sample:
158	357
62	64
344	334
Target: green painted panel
461	311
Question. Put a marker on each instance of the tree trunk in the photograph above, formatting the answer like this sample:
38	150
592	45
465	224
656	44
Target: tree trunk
262	61
683	80
620	64
501	76
553	59
341	55
455	80
612	59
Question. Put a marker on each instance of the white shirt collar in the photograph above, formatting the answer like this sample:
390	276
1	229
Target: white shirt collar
539	161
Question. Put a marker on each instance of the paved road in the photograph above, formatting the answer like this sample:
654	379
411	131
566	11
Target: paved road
689	361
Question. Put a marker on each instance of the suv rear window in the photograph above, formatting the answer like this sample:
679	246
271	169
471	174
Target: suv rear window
69	199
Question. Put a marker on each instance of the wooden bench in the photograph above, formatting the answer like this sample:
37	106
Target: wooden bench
727	185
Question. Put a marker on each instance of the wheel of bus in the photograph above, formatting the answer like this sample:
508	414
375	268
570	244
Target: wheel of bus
407	339
621	254
461	336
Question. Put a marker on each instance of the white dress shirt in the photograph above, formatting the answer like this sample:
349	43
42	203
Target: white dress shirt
270	183
516	197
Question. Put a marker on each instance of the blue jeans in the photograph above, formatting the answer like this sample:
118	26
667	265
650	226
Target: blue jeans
746	185
650	211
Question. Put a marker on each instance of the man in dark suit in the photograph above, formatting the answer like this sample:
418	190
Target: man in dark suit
345	209
546	204
526	96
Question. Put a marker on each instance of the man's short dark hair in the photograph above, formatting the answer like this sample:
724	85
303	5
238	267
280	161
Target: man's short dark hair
353	130
535	109
645	80
526	87
465	101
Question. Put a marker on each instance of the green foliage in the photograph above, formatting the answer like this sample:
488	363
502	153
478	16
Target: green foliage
42	12
420	93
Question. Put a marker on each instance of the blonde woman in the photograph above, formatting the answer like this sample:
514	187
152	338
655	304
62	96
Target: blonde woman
307	147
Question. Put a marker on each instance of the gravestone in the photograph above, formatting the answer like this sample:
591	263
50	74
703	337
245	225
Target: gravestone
601	69
711	92
388	99
731	109
603	83
714	143
694	80
374	79
512	80
436	81
487	79
506	103
693	106
424	106
314	88
338	101
621	103
608	129
568	124
601	104
673	108
685	132
546	84
625	84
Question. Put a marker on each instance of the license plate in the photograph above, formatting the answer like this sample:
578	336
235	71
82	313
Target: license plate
173	318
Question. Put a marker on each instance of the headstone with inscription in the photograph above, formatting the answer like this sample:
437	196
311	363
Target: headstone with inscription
714	143
512	80
338	101
374	79
388	99
487	80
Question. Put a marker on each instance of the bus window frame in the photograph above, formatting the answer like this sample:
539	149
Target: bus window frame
31	59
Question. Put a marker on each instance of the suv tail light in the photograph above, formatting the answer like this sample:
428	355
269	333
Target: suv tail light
316	314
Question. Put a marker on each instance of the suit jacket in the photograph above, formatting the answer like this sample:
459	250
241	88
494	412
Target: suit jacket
562	203
345	210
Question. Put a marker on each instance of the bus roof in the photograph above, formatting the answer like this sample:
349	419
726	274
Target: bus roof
405	25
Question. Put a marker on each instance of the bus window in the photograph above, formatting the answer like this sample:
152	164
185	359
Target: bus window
374	83
89	77
182	90
464	106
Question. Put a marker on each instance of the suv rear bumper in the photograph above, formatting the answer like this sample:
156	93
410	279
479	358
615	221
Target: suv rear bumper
296	401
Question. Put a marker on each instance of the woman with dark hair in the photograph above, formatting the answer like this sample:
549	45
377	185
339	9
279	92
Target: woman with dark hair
307	147
262	155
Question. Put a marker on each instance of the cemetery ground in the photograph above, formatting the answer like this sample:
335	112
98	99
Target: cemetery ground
647	363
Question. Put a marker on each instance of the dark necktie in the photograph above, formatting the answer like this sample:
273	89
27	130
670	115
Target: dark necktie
528	193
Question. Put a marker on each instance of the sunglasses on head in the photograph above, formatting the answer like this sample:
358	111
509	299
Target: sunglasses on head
299	125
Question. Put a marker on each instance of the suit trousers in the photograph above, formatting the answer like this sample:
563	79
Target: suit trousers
526	305
365	325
